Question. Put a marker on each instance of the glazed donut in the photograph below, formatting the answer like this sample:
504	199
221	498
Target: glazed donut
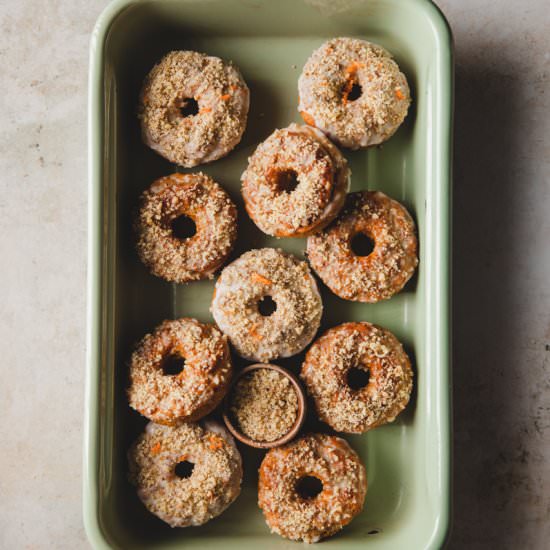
267	277
381	273
180	372
309	489
335	372
295	183
193	108
186	227
354	92
186	474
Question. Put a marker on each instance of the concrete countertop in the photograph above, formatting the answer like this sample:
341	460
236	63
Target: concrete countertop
501	271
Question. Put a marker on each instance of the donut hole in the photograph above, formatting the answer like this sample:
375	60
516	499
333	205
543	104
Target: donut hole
183	227
286	180
308	487
184	469
267	306
355	92
173	364
357	378
188	107
362	244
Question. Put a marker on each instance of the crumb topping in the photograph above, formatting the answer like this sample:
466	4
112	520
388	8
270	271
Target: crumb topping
364	346
200	198
322	181
222	97
327	81
390	265
289	282
265	405
344	484
214	482
197	389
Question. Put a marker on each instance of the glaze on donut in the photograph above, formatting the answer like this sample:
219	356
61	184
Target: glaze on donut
186	474
193	108
180	372
293	513
370	351
354	92
384	271
263	274
199	201
295	183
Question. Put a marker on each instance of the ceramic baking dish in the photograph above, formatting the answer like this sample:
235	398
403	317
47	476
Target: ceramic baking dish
408	462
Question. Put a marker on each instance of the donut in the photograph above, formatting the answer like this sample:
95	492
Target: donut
186	227
359	377
295	183
354	92
378	274
193	108
268	304
179	372
311	488
185	474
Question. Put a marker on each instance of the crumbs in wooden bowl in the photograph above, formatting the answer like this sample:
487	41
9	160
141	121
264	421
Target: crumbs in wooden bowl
264	404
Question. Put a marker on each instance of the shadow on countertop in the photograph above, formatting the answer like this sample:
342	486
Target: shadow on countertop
500	362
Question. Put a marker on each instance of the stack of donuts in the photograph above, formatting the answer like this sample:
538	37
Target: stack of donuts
193	110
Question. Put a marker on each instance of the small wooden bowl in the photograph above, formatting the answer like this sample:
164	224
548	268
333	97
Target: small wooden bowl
299	418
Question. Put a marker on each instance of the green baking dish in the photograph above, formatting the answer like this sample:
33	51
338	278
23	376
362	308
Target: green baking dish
408	462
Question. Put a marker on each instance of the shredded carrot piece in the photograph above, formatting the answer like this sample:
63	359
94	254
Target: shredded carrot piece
182	458
215	443
308	119
254	334
256	277
156	448
353	67
351	79
399	94
347	90
225	97
205	110
234	87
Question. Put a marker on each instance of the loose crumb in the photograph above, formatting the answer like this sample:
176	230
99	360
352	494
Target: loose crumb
265	405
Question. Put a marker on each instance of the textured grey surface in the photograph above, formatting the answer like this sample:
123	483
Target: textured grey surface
501	272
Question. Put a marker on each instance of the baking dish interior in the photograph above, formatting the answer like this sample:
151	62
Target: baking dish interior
407	462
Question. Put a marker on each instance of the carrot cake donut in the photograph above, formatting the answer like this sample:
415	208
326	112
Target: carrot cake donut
295	183
366	275
186	474
186	227
268	304
359	377
193	108
311	488
353	91
180	372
